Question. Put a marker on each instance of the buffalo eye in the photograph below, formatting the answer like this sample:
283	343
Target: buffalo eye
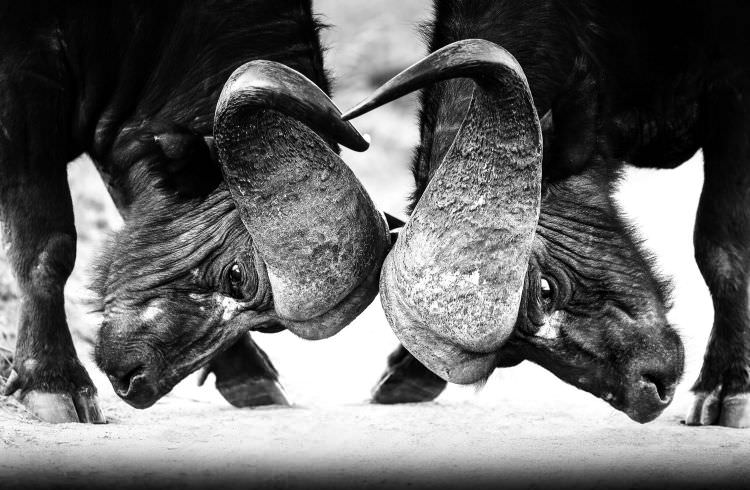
236	279
236	274
547	293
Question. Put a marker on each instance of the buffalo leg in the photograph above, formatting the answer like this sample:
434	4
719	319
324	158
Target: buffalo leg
245	376
406	380
39	232
722	249
37	215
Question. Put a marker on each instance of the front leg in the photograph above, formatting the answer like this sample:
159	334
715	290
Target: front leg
245	376
46	374
36	213
406	380
722	249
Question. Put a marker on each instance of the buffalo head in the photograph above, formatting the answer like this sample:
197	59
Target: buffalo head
497	265
287	239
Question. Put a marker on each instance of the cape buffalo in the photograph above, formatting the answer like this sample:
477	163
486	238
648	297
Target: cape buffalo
262	228
511	256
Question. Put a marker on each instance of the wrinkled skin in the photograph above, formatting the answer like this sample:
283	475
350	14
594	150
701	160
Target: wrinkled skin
602	329
184	308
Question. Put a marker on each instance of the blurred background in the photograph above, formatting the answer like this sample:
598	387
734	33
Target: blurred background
367	43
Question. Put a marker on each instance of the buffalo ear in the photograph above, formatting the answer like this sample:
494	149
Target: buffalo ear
186	164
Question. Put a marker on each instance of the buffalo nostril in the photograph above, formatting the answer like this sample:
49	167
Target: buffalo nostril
123	380
657	381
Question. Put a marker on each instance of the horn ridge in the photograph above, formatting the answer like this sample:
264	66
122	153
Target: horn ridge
262	84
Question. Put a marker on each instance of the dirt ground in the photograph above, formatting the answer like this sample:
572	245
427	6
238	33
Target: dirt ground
524	428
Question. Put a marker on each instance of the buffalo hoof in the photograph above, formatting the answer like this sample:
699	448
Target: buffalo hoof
245	376
391	390
253	392
406	381
60	408
56	407
710	408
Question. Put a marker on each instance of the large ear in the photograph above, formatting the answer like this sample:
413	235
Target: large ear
309	217
189	166
452	285
181	159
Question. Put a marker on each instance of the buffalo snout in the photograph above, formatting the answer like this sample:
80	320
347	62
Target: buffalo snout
651	379
132	369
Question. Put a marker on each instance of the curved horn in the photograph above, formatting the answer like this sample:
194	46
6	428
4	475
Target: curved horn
316	228
452	285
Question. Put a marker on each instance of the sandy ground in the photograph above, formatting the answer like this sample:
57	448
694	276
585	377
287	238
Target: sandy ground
525	428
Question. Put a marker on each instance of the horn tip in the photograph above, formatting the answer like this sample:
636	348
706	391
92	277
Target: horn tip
352	139
361	144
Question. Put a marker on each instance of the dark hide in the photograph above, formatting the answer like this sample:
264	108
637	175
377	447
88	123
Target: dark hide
619	82
134	85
